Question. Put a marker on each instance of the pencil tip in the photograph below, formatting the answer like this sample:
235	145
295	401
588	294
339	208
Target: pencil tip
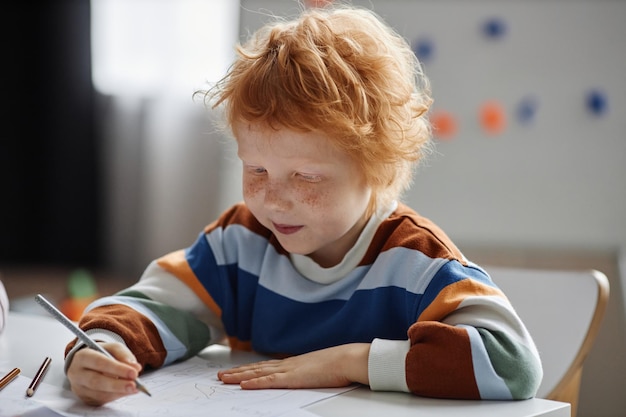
144	390
30	392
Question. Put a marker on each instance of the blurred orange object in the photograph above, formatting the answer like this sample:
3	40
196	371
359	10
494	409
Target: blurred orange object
492	117
444	124
73	308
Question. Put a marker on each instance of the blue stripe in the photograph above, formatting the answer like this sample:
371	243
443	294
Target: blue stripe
201	260
286	309
233	289
490	384
309	316
229	243
288	326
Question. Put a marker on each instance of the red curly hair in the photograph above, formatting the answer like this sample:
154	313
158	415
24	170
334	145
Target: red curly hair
342	71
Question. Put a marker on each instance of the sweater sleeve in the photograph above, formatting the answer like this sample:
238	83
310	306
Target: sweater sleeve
467	343
160	318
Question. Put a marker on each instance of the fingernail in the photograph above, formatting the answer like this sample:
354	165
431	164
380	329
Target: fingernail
130	389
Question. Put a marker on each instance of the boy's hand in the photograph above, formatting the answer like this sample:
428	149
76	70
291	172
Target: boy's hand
97	379
337	366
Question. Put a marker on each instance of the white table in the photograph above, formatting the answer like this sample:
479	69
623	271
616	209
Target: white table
29	338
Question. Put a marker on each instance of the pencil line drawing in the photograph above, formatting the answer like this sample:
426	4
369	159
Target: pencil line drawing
191	388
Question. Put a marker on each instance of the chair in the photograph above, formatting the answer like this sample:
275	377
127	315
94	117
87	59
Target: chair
563	311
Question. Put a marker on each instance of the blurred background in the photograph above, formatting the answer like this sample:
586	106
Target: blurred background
107	162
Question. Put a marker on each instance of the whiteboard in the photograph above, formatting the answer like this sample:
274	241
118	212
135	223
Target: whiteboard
558	180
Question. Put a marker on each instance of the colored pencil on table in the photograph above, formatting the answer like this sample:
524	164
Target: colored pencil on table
9	377
38	377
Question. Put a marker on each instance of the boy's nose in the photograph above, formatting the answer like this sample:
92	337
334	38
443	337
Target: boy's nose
276	196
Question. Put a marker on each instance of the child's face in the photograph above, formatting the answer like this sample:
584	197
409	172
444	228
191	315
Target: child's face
311	195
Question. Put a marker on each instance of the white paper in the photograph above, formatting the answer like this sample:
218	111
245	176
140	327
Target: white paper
15	403
191	388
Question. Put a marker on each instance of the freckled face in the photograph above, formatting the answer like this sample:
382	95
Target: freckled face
310	194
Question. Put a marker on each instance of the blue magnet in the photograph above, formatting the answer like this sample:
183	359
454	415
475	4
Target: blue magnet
597	102
494	28
423	49
527	109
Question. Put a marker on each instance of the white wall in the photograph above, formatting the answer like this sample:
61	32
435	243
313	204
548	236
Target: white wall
558	182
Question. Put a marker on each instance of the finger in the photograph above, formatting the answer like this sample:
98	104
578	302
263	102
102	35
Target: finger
252	370
293	380
122	354
244	375
101	395
88	359
95	388
250	366
274	380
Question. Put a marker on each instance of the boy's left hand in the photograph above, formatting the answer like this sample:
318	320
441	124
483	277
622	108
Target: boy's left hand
338	366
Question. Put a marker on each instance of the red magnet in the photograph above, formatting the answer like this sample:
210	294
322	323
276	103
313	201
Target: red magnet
492	117
444	124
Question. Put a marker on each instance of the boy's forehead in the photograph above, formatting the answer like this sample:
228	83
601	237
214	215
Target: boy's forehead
259	137
266	132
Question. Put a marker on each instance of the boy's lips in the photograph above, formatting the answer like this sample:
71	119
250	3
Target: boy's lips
286	229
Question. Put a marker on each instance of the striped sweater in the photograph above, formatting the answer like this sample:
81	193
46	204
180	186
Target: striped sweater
437	324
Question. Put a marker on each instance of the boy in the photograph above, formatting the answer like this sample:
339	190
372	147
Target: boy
320	265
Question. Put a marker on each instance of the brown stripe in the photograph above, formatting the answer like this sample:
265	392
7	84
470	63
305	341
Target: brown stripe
405	228
439	363
451	296
139	333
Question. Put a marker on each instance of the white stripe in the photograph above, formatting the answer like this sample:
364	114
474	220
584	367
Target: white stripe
398	267
491	312
238	245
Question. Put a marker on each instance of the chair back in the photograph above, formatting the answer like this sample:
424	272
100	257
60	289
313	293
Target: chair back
562	311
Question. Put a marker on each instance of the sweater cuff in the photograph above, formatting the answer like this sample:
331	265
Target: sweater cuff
99	335
386	365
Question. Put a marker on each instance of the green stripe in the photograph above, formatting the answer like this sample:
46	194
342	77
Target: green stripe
513	362
133	293
192	333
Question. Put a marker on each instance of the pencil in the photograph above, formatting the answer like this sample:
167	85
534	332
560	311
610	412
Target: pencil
9	377
81	334
38	377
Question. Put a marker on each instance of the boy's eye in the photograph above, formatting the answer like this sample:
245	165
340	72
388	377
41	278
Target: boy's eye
310	177
256	170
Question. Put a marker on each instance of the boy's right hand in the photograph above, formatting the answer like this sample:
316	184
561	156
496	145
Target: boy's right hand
97	379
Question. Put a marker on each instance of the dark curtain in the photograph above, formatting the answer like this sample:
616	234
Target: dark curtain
49	207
